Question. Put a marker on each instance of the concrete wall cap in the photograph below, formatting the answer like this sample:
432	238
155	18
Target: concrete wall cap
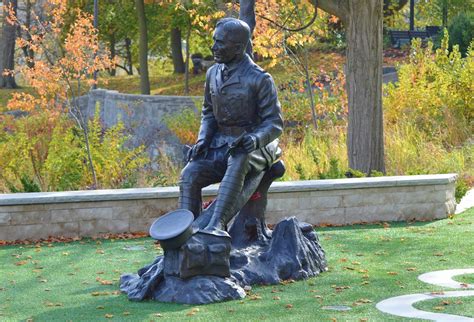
173	192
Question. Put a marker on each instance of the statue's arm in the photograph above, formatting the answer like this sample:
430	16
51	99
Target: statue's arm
269	112
208	121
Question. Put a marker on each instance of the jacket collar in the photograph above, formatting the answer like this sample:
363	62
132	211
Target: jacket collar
238	69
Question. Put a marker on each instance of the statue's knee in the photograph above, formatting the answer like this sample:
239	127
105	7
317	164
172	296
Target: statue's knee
188	175
239	160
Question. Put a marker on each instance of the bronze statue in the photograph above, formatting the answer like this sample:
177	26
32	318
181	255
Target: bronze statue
237	146
240	126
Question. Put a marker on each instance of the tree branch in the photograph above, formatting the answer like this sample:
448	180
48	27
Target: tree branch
338	8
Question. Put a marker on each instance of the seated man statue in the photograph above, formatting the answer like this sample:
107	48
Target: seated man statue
240	125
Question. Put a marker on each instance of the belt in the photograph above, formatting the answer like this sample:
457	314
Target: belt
234	130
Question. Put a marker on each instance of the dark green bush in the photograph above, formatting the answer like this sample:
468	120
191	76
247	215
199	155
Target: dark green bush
461	31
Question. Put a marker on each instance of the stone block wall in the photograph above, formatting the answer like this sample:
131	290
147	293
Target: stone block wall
335	202
142	115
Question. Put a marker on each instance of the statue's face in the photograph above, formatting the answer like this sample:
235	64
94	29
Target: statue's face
224	50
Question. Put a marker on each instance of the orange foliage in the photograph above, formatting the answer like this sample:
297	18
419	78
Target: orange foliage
60	66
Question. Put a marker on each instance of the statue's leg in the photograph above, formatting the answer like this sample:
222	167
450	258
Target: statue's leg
238	167
249	226
196	175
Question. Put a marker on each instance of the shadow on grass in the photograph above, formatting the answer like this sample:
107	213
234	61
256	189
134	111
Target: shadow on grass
115	306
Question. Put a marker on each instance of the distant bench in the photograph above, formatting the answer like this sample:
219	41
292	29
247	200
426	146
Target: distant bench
402	37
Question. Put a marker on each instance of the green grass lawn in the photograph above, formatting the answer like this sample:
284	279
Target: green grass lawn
368	263
454	305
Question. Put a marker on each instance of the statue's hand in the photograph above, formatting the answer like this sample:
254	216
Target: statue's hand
249	143
198	148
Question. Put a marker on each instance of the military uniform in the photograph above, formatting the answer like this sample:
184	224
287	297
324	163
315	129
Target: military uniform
246	102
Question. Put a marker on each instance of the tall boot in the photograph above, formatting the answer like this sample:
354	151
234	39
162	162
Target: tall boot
190	198
226	202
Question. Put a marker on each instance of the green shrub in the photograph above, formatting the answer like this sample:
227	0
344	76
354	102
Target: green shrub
185	125
434	93
42	153
461	31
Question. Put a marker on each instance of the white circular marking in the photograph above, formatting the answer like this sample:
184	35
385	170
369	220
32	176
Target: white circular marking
402	306
445	278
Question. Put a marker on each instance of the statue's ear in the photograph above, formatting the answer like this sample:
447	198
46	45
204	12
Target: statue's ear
240	48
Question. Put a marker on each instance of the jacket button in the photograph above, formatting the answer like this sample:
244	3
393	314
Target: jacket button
224	92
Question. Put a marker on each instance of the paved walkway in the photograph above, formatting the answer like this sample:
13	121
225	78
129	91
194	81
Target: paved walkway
466	202
402	305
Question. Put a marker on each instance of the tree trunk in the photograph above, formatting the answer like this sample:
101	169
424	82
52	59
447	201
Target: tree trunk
112	71
444	12
247	14
7	47
177	51
364	85
188	54
143	48
27	51
128	51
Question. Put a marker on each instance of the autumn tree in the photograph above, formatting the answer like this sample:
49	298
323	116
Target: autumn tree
62	67
363	20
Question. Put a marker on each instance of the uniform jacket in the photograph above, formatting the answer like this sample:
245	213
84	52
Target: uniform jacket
248	99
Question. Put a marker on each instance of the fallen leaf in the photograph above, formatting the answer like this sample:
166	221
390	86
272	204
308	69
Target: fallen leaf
276	298
158	315
361	301
289	306
437	293
464	285
411	269
109	316
392	273
105	282
20	263
439	308
100	307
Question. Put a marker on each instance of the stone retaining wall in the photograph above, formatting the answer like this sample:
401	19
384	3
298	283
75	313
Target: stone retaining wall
336	202
142	116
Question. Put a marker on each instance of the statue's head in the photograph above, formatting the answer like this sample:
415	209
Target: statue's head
230	40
